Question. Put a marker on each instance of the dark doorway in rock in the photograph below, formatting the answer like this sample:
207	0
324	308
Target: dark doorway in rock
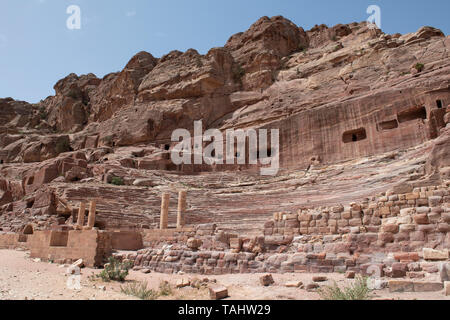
354	135
100	225
387	125
439	104
412	114
30	203
28	229
167	147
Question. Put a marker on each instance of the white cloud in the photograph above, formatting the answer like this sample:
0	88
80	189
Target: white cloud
131	13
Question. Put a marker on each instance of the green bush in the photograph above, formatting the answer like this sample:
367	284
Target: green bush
357	291
115	270
117	181
139	290
419	67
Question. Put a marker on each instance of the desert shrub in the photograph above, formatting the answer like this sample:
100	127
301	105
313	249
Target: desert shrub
139	290
165	289
117	181
357	291
419	67
115	270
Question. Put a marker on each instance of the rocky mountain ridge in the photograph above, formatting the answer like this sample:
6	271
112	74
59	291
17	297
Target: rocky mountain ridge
351	103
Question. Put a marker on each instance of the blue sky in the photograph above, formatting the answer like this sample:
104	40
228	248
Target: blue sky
37	49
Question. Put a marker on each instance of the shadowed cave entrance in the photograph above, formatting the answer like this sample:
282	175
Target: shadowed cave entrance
412	114
354	135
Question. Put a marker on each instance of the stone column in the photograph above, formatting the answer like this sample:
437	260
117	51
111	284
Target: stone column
81	214
92	210
164	211
181	208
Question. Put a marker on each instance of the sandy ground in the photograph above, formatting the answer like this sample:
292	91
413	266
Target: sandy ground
22	278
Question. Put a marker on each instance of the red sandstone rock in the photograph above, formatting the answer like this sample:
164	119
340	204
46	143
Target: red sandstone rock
319	279
218	292
266	280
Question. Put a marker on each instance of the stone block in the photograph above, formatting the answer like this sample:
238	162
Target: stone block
420	286
319	279
217	292
293	284
392	228
421	218
431	254
401	286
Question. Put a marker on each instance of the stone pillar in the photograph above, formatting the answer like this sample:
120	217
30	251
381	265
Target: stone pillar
81	214
164	211
92	210
181	208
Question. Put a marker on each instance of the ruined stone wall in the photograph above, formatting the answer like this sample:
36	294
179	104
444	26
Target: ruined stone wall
126	240
390	222
399	234
13	241
90	245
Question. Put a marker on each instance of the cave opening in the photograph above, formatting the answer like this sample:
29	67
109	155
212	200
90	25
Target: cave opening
28	230
354	135
30	203
387	125
439	104
412	114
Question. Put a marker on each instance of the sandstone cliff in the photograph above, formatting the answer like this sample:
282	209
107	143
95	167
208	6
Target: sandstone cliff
363	110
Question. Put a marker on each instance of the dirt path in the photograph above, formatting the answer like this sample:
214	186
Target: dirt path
22	278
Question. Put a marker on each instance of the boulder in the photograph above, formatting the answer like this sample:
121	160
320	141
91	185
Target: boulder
266	280
218	292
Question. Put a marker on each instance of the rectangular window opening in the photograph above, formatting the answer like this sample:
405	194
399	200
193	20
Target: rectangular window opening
387	125
354	135
412	114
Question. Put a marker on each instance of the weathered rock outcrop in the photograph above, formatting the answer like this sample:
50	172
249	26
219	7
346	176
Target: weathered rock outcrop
68	110
359	111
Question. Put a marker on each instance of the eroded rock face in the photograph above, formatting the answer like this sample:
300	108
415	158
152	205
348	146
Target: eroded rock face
119	90
259	50
68	109
359	111
188	75
14	114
